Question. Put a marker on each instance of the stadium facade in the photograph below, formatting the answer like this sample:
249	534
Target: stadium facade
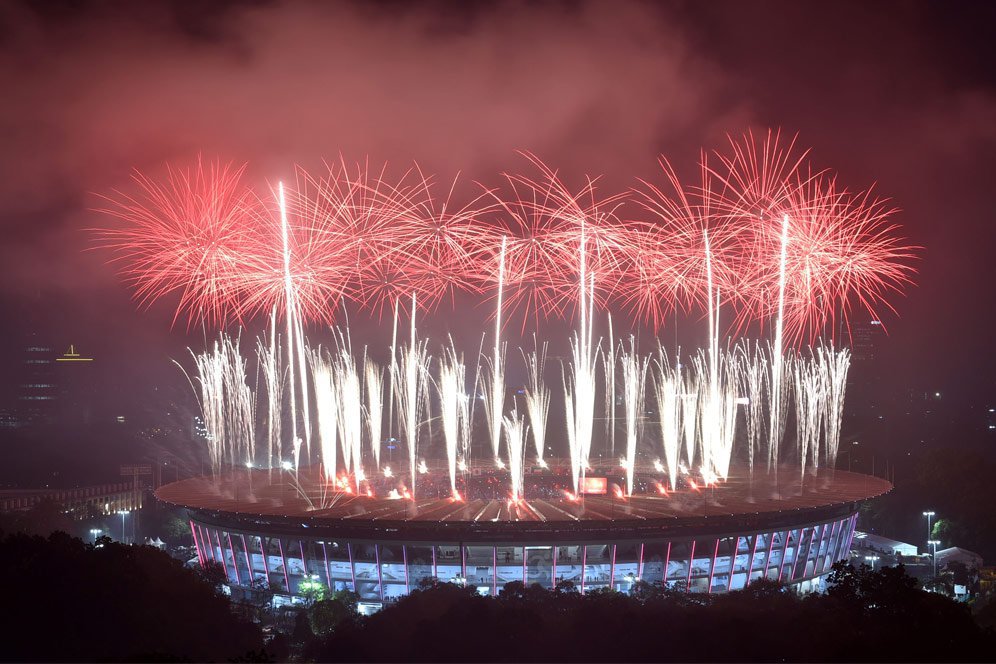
718	544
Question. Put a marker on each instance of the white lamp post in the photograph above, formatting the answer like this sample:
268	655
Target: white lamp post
928	515
123	513
934	544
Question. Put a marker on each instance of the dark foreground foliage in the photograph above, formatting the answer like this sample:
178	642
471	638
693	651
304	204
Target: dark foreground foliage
866	616
65	600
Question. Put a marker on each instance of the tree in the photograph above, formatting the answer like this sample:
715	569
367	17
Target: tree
871	615
44	518
961	574
213	573
326	615
427	582
156	607
176	530
312	590
764	587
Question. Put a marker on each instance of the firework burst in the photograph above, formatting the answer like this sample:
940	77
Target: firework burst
353	235
186	236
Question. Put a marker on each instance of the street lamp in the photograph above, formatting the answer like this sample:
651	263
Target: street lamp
928	515
95	532
934	544
872	559
123	513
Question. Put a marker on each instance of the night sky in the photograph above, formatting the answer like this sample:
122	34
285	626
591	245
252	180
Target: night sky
900	95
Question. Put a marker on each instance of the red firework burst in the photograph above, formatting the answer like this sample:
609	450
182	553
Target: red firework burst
336	223
841	255
439	245
351	234
687	240
547	224
186	236
840	250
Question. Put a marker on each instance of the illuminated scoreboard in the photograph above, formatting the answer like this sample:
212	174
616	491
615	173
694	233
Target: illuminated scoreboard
596	486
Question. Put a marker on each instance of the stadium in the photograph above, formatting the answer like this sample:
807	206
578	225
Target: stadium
265	529
701	467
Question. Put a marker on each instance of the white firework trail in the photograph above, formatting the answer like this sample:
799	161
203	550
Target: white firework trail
719	407
227	405
710	418
609	367
668	388
579	387
834	368
697	407
268	357
777	402
753	374
243	407
722	449
494	396
412	371
689	414
451	387
350	402
466	428
302	362
475	395
537	397
288	314
808	415
392	371
515	441
326	411
211	395
634	378
374	376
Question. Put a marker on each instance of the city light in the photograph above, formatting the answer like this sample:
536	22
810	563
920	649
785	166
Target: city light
933	545
123	513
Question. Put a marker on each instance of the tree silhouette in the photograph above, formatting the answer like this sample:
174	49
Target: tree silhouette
866	615
72	601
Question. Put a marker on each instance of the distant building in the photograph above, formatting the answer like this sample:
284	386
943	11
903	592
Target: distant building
51	386
36	390
865	339
9	419
881	544
957	554
79	503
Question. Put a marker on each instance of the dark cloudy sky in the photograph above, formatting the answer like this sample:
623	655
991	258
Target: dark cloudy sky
898	94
